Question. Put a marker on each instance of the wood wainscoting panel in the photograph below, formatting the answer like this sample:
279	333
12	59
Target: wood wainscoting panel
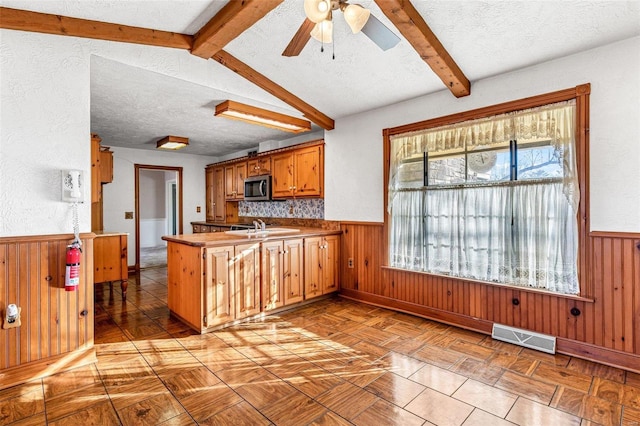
53	321
608	323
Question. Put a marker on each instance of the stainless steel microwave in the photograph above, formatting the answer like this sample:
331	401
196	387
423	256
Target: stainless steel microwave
257	188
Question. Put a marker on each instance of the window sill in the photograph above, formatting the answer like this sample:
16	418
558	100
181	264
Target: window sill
507	286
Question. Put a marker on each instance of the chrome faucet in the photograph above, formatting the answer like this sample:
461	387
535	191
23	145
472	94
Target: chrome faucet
263	226
256	226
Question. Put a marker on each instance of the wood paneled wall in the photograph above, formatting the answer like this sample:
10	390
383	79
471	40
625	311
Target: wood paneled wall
54	322
606	330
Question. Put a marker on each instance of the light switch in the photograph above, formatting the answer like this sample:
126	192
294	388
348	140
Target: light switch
198	209
128	215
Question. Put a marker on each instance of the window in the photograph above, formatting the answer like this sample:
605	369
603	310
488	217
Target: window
493	199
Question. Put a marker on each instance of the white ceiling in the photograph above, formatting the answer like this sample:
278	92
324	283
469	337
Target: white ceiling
134	107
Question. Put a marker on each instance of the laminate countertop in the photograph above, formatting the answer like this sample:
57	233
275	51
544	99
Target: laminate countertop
212	239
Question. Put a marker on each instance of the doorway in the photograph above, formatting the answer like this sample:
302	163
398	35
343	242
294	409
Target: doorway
158	212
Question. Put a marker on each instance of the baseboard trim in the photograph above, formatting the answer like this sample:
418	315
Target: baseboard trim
46	367
587	351
462	321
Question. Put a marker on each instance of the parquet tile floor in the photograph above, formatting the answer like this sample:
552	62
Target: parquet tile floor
333	362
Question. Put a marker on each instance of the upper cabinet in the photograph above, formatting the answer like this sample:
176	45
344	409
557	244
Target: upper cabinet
106	165
234	175
298	173
101	173
215	207
259	166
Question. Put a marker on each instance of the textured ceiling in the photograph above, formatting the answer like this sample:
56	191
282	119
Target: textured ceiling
485	38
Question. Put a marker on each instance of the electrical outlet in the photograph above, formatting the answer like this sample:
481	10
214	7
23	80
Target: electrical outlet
128	215
198	209
350	262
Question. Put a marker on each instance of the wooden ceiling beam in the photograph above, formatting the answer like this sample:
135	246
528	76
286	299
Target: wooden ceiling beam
24	20
231	21
279	92
300	39
416	31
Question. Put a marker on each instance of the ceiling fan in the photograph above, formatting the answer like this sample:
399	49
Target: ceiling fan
319	25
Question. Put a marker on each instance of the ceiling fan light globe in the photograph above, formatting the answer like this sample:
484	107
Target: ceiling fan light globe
356	16
317	10
323	31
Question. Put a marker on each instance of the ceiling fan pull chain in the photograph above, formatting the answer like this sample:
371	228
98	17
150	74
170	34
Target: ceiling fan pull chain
333	47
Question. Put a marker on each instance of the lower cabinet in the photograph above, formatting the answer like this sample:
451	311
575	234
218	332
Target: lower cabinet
232	283
218	288
247	284
282	269
212	286
321	265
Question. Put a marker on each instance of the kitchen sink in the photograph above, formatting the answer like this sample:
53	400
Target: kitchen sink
261	233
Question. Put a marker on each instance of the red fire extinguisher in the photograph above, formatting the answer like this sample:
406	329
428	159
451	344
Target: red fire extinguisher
72	272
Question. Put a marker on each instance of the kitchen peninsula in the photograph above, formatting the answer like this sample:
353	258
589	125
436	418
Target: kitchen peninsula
216	279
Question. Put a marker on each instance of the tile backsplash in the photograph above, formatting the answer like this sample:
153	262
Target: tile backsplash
312	208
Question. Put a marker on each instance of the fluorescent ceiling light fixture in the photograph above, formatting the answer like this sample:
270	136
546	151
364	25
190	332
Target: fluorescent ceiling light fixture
262	117
172	143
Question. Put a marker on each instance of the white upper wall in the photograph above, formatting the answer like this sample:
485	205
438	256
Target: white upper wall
354	148
45	120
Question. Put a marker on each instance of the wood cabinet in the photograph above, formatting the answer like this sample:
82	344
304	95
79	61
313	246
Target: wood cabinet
219	283
212	286
234	175
208	287
110	260
96	187
106	165
209	195
259	166
298	173
200	228
101	173
216	207
282	269
321	265
247	283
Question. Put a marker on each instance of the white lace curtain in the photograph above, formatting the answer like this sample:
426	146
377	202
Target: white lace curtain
554	122
519	233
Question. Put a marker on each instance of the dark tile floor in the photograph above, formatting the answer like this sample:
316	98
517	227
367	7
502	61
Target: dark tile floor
333	362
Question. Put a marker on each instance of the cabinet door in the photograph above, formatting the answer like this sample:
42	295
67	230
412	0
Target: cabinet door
210	194
330	263
240	174
259	166
219	210
106	165
247	290
230	182
312	267
96	187
282	175
272	272
292	267
309	172
219	285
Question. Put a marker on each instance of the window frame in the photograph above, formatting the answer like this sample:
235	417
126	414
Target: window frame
581	94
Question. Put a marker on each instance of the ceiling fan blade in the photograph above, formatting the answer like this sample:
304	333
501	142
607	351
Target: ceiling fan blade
380	34
300	39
